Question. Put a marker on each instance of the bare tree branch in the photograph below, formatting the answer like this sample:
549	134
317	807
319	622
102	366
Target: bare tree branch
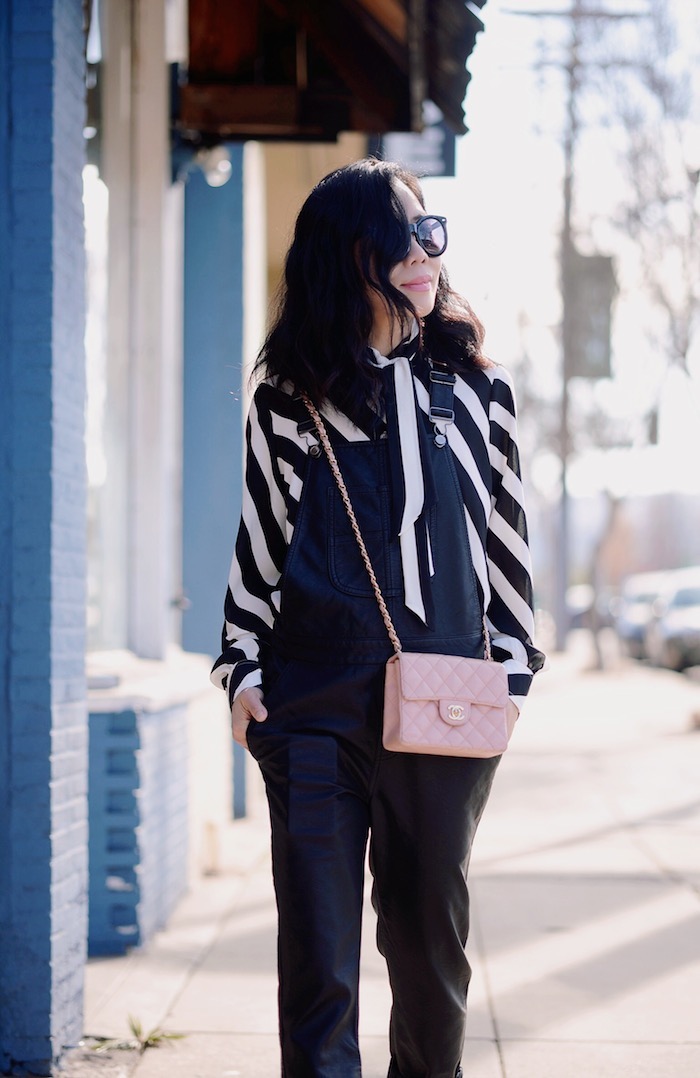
653	102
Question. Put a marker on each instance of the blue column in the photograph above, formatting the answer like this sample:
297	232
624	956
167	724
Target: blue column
213	434
43	727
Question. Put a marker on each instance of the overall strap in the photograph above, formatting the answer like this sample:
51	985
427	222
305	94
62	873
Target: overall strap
442	391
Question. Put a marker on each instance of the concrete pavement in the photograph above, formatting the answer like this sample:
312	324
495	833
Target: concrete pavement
586	911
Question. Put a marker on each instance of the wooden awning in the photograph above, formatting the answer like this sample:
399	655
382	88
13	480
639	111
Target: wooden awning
309	69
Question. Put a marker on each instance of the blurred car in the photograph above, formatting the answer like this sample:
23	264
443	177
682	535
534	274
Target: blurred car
673	633
634	610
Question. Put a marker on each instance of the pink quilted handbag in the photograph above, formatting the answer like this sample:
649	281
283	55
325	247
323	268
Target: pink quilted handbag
438	705
444	705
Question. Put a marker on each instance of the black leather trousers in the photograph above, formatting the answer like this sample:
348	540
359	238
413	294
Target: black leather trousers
330	785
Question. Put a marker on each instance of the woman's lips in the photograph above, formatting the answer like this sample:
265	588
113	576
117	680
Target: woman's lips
419	284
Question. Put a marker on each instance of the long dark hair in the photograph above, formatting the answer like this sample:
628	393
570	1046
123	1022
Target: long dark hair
350	233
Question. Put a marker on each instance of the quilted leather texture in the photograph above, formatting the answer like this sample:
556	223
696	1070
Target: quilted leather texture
419	687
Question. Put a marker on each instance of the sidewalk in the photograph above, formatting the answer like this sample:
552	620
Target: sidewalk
585	883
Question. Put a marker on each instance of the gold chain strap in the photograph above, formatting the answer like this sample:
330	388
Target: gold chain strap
325	441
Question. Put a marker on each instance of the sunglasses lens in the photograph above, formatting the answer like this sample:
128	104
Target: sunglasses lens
432	236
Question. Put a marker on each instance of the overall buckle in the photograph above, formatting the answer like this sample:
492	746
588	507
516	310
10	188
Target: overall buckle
441	412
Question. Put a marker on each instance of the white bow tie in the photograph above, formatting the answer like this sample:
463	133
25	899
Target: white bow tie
408	419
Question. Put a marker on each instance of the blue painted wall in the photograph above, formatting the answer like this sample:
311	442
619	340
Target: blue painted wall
212	437
5	515
43	720
138	824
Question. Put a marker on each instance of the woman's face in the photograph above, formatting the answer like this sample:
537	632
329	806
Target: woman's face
416	276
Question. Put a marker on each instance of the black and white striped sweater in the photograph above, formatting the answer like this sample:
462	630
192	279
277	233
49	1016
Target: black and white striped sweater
483	440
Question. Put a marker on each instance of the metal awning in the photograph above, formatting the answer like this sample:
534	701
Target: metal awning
309	69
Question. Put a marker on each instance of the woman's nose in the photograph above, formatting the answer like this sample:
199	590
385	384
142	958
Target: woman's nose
416	252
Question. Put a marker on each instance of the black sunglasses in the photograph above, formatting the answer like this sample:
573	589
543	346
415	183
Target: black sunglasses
431	234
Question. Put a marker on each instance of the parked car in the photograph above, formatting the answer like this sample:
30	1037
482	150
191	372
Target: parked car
634	609
673	633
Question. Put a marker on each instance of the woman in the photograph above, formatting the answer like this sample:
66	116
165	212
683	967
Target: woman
366	320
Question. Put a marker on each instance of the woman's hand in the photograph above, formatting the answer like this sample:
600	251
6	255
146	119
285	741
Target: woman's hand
247	706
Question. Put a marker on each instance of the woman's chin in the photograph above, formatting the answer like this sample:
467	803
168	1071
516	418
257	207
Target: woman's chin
423	308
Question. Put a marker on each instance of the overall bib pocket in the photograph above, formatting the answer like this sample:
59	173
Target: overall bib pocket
345	566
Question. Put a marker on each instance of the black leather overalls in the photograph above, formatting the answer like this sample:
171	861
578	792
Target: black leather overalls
330	783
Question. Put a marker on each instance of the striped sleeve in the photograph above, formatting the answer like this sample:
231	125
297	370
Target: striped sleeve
510	613
252	594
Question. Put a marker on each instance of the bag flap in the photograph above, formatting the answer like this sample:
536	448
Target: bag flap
453	679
